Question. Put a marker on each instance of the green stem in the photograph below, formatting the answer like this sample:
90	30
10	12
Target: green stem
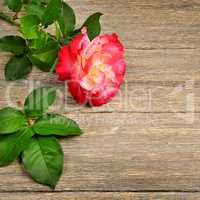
15	16
53	38
58	32
8	19
54	66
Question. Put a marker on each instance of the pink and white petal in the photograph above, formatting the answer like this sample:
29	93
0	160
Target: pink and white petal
103	97
65	63
77	92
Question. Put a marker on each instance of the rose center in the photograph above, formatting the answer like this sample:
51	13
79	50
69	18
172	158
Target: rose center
97	75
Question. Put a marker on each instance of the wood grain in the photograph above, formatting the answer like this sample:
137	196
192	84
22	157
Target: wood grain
162	38
148	137
145	65
99	196
133	97
133	152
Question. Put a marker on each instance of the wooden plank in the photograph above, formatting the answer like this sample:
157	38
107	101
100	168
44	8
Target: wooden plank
161	46
144	24
147	24
99	196
127	151
124	152
145	65
133	97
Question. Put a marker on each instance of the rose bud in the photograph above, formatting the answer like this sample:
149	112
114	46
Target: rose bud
94	70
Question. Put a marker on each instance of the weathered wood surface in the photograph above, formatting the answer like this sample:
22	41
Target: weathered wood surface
148	137
133	97
100	196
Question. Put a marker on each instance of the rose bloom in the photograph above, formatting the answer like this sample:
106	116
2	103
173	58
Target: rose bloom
94	70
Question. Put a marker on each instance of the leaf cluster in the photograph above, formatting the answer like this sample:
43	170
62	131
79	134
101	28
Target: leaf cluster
36	46
31	134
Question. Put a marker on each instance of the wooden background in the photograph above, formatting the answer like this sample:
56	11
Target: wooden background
145	144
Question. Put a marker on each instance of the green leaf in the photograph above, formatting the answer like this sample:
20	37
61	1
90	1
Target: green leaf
68	39
59	34
54	124
67	19
12	145
18	67
25	1
13	44
40	42
93	25
43	160
11	120
40	65
52	12
44	58
14	5
45	1
29	26
39	101
35	8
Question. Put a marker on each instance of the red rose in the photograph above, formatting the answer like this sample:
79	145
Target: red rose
94	70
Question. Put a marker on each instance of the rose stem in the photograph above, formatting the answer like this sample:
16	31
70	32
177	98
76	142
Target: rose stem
8	19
